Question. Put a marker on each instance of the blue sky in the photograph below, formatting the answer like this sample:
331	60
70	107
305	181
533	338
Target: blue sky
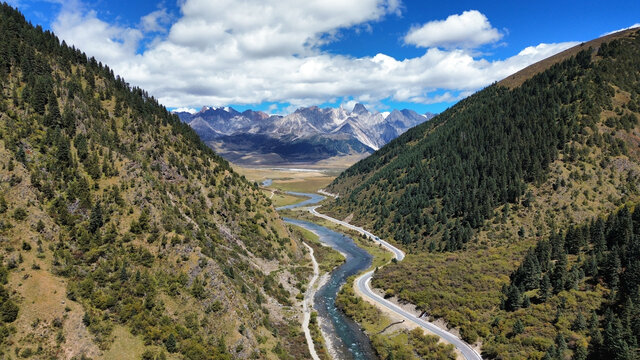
277	55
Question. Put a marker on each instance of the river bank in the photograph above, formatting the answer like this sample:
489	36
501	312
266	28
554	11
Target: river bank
344	337
378	315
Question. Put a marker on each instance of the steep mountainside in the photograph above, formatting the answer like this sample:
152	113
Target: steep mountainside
471	190
122	235
307	135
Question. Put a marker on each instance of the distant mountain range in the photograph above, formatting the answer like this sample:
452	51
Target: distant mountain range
308	135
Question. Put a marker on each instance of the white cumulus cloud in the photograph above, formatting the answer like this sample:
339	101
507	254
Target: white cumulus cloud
467	30
255	51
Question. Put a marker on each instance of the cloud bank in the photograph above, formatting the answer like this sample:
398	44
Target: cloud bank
257	51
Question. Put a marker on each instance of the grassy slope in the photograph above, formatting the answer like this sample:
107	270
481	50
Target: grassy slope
186	247
464	287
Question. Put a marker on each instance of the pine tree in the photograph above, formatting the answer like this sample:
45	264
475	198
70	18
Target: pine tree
593	321
611	269
561	345
95	220
545	288
124	275
552	353
518	327
597	236
52	117
80	143
595	345
170	343
580	323
39	93
558	276
68	121
63	153
197	289
614	345
579	353
92	166
513	299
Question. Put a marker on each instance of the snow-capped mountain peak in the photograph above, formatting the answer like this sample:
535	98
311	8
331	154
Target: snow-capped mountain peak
371	130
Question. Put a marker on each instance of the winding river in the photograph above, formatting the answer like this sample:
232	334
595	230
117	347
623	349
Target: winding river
346	338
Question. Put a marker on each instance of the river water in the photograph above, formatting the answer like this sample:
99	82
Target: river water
313	199
348	340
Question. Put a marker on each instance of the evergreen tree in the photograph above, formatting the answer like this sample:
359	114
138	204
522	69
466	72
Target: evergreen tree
63	152
39	94
545	288
92	166
80	143
580	323
614	345
124	275
170	343
513	299
558	276
95	220
595	344
68	121
579	353
518	327
52	117
561	345
611	269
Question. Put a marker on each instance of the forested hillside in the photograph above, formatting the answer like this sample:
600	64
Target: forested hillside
472	192
445	178
121	234
608	254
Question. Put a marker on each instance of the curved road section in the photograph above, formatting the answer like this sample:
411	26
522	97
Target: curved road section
363	282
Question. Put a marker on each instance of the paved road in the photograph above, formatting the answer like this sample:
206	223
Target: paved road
364	285
326	193
399	255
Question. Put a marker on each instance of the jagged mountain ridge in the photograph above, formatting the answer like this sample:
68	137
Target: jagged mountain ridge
313	133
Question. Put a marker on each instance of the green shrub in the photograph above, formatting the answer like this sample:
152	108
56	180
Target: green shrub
20	214
9	311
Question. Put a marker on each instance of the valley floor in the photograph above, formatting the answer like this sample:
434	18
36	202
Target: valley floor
387	323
